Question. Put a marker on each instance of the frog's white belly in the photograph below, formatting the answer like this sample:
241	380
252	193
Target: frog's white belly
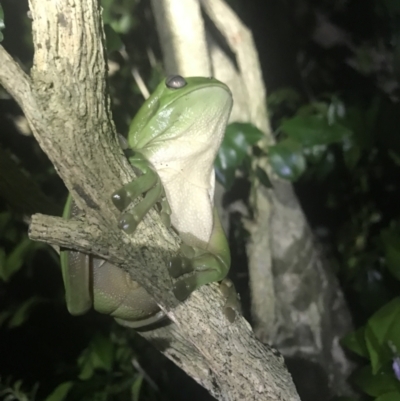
183	157
189	189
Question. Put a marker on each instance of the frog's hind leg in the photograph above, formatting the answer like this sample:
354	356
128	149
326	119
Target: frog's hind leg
200	270
193	272
194	267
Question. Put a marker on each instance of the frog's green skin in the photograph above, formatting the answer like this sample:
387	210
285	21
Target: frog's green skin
92	281
175	137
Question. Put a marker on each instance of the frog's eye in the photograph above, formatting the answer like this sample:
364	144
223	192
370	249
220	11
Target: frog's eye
175	82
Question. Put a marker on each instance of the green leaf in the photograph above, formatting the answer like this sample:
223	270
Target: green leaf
2	25
287	160
313	109
392	396
136	386
243	134
113	40
287	96
23	312
376	384
235	147
383	332
391	245
224	173
379	353
16	259
355	342
123	24
314	130
60	393
263	177
98	355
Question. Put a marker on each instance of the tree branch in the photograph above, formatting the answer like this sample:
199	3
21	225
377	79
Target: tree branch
67	106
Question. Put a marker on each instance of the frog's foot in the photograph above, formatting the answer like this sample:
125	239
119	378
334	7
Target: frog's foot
148	185
198	267
130	220
232	304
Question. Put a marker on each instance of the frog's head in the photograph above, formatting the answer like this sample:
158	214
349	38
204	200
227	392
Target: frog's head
178	105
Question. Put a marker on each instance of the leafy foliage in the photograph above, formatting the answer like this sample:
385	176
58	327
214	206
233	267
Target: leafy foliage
287	159
379	342
235	151
337	140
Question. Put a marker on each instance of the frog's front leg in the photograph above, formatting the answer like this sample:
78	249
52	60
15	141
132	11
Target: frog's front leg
148	184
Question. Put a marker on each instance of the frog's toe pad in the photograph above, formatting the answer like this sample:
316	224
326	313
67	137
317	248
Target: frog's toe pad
120	199
179	265
184	287
166	219
128	223
230	313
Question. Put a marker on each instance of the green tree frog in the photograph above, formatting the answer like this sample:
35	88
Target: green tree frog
173	141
